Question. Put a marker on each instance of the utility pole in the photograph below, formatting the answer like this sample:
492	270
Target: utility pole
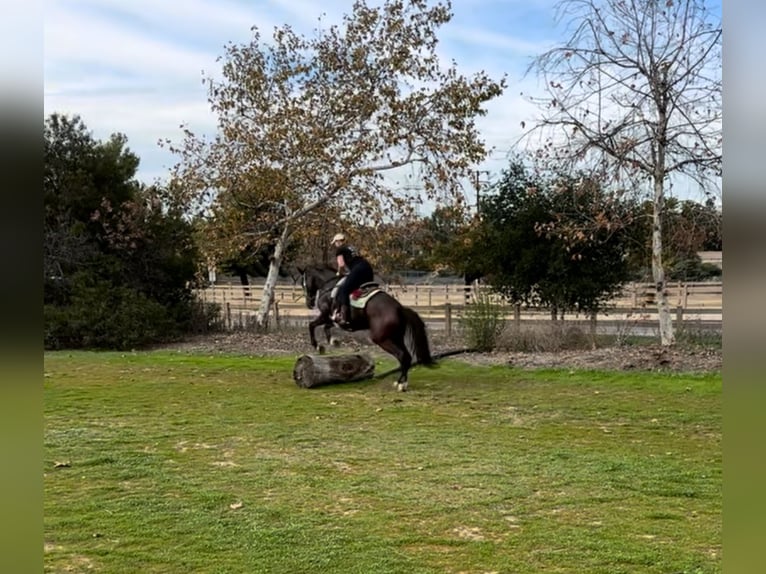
477	186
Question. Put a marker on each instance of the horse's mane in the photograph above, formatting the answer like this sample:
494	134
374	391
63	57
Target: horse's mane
322	271
297	269
318	268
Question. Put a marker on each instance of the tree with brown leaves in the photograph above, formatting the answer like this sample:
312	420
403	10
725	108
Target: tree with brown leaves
308	126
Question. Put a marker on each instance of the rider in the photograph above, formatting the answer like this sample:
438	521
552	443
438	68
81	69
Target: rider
358	270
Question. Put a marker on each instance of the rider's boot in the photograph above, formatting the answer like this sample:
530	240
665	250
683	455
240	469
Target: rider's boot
344	315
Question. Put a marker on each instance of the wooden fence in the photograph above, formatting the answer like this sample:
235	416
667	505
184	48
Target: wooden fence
441	305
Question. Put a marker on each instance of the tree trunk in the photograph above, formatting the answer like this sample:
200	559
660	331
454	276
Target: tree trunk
314	370
262	316
667	337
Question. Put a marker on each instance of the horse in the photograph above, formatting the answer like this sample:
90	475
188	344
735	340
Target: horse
396	329
317	283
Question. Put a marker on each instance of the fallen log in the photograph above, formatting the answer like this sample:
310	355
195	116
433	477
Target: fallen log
314	370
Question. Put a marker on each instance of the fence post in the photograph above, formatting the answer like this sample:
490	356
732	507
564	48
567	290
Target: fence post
276	313
517	316
679	315
593	328
228	316
448	318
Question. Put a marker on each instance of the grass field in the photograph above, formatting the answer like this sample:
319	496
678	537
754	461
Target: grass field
179	463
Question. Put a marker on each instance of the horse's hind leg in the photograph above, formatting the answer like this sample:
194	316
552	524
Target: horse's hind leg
330	339
399	351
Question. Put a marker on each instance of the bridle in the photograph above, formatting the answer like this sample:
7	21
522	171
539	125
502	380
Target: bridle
322	287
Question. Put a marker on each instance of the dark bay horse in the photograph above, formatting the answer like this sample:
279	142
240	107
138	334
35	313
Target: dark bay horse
396	329
318	283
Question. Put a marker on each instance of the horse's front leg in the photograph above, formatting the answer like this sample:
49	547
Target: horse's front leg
313	325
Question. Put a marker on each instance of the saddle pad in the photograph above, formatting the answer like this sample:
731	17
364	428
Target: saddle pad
359	298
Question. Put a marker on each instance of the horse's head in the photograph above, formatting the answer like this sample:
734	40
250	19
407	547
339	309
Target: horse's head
313	279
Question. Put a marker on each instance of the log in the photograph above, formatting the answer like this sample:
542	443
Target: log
314	370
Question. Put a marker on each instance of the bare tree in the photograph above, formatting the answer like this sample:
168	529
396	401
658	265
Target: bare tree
636	91
308	126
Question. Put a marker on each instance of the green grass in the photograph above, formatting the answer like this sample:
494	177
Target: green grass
168	462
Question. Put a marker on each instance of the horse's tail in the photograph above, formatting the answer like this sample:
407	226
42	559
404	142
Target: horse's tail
416	338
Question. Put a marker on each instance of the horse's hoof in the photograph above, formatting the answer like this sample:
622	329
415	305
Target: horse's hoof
320	349
335	342
401	387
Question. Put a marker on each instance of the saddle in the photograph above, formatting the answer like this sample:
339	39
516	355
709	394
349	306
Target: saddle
359	297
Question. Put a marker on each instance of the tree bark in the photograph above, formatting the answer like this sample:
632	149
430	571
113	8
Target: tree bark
667	337
262	316
314	370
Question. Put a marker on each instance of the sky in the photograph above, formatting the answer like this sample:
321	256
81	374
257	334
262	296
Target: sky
136	67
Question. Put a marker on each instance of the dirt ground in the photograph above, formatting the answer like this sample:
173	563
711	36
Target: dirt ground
650	357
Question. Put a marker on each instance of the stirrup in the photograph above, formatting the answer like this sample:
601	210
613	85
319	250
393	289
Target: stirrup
341	320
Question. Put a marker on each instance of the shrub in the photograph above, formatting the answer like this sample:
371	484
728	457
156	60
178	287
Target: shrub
482	322
693	269
548	337
691	335
103	316
202	317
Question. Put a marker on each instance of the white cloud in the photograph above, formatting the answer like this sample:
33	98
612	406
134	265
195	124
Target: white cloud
144	119
196	20
83	45
306	14
136	67
500	45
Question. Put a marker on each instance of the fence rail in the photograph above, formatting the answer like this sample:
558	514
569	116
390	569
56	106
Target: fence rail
439	305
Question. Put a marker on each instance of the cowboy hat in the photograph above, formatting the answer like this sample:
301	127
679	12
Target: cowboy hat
338	237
